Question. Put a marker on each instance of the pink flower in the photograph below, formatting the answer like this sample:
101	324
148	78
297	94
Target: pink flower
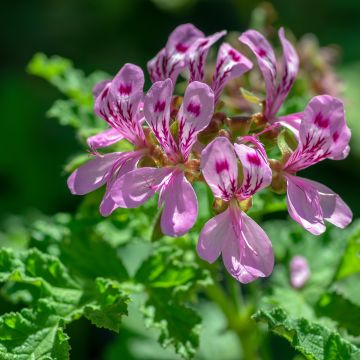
188	47
278	84
118	102
246	249
171	60
299	271
323	134
176	193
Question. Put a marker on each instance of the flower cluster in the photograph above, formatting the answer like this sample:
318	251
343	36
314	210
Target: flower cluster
169	153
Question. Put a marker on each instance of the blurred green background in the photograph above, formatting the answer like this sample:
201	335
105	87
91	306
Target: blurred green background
106	34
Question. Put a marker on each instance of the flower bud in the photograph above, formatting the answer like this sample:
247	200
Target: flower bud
212	129
278	183
238	125
299	271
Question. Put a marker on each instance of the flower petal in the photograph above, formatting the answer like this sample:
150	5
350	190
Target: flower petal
247	254
266	60
127	163
119	102
334	209
275	93
292	122
304	204
104	139
157	114
99	87
219	167
137	186
229	65
93	174
197	55
256	170
180	206
323	134
289	70
170	61
212	236
194	115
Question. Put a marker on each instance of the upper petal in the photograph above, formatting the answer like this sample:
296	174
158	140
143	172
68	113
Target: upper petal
170	61
247	254
137	186
93	174
194	115
266	60
219	167
198	53
257	173
119	102
323	133
99	87
104	139
212	236
157	113
180	206
229	65
289	70
304	204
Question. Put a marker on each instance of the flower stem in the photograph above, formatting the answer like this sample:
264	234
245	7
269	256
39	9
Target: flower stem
238	316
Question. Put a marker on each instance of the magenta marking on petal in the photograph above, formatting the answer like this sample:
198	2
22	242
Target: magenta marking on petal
194	109
261	52
180	47
105	93
203	43
159	106
221	166
125	89
335	136
254	159
321	122
234	55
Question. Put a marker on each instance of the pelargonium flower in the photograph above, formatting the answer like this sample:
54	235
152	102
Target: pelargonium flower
323	135
118	102
171	60
246	249
177	196
187	48
230	63
278	84
299	271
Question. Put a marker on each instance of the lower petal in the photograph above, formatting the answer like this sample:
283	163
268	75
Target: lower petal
212	236
304	204
247	254
92	175
180	206
334	208
136	187
104	139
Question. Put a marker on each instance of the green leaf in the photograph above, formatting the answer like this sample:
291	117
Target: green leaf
81	246
313	340
32	335
179	325
170	278
108	306
167	268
